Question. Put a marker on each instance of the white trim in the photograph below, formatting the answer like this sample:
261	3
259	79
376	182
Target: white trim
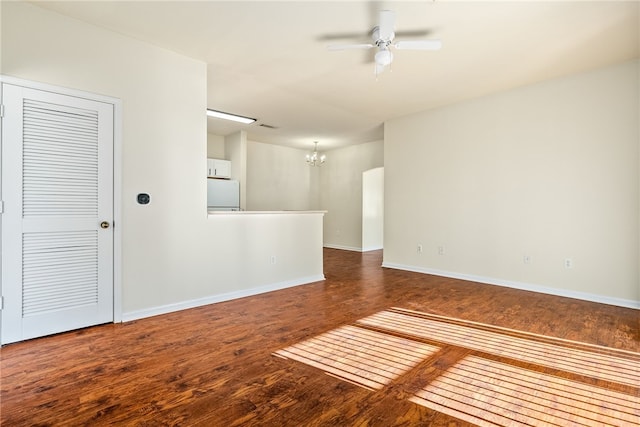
602	299
352	248
46	87
212	299
117	211
344	248
117	172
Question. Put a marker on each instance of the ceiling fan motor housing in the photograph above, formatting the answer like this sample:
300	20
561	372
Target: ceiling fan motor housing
380	42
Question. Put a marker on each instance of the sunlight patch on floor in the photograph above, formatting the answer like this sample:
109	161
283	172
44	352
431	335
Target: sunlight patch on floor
557	355
504	377
487	392
367	358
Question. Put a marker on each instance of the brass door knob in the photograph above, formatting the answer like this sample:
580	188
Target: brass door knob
105	224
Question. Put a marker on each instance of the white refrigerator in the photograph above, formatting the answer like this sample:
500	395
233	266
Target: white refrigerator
223	195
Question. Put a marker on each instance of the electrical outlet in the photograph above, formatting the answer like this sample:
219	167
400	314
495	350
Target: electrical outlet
568	263
419	248
273	259
527	259
440	250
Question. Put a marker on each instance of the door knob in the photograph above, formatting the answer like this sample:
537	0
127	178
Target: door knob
104	224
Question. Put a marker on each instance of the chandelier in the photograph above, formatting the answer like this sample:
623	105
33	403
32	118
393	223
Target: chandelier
316	159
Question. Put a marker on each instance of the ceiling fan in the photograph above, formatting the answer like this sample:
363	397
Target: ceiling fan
382	36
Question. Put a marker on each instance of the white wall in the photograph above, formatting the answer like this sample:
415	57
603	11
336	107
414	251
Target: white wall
173	253
278	178
341	192
550	171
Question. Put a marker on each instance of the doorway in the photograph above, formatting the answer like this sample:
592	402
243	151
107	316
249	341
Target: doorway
372	209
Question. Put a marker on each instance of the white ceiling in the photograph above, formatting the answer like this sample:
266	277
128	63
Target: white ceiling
268	59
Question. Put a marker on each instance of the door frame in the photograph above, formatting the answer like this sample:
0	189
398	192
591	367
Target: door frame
117	174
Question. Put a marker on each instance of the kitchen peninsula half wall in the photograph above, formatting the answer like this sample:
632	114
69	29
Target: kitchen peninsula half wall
247	253
266	251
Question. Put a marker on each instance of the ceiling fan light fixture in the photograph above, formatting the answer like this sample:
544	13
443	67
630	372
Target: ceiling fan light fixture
384	57
229	116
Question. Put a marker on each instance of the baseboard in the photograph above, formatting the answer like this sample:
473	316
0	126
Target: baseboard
344	248
212	299
519	285
372	248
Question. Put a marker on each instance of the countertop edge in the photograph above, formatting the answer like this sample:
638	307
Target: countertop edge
218	213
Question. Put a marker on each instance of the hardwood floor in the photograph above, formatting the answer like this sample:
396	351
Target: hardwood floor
255	361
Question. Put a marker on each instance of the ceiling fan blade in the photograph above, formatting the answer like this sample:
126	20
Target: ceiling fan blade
349	46
418	45
343	36
413	33
386	25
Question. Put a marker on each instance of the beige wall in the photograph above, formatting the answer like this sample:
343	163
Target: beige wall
173	254
549	171
215	146
341	192
235	148
278	178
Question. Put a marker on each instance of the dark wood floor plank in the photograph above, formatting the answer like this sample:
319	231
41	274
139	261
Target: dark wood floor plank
214	365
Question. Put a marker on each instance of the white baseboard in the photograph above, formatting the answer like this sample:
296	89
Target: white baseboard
344	248
212	299
372	248
519	285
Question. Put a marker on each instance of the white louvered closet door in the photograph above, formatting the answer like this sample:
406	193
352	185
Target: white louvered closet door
57	187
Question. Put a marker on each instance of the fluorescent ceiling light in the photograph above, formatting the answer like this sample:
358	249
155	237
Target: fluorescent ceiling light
227	116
